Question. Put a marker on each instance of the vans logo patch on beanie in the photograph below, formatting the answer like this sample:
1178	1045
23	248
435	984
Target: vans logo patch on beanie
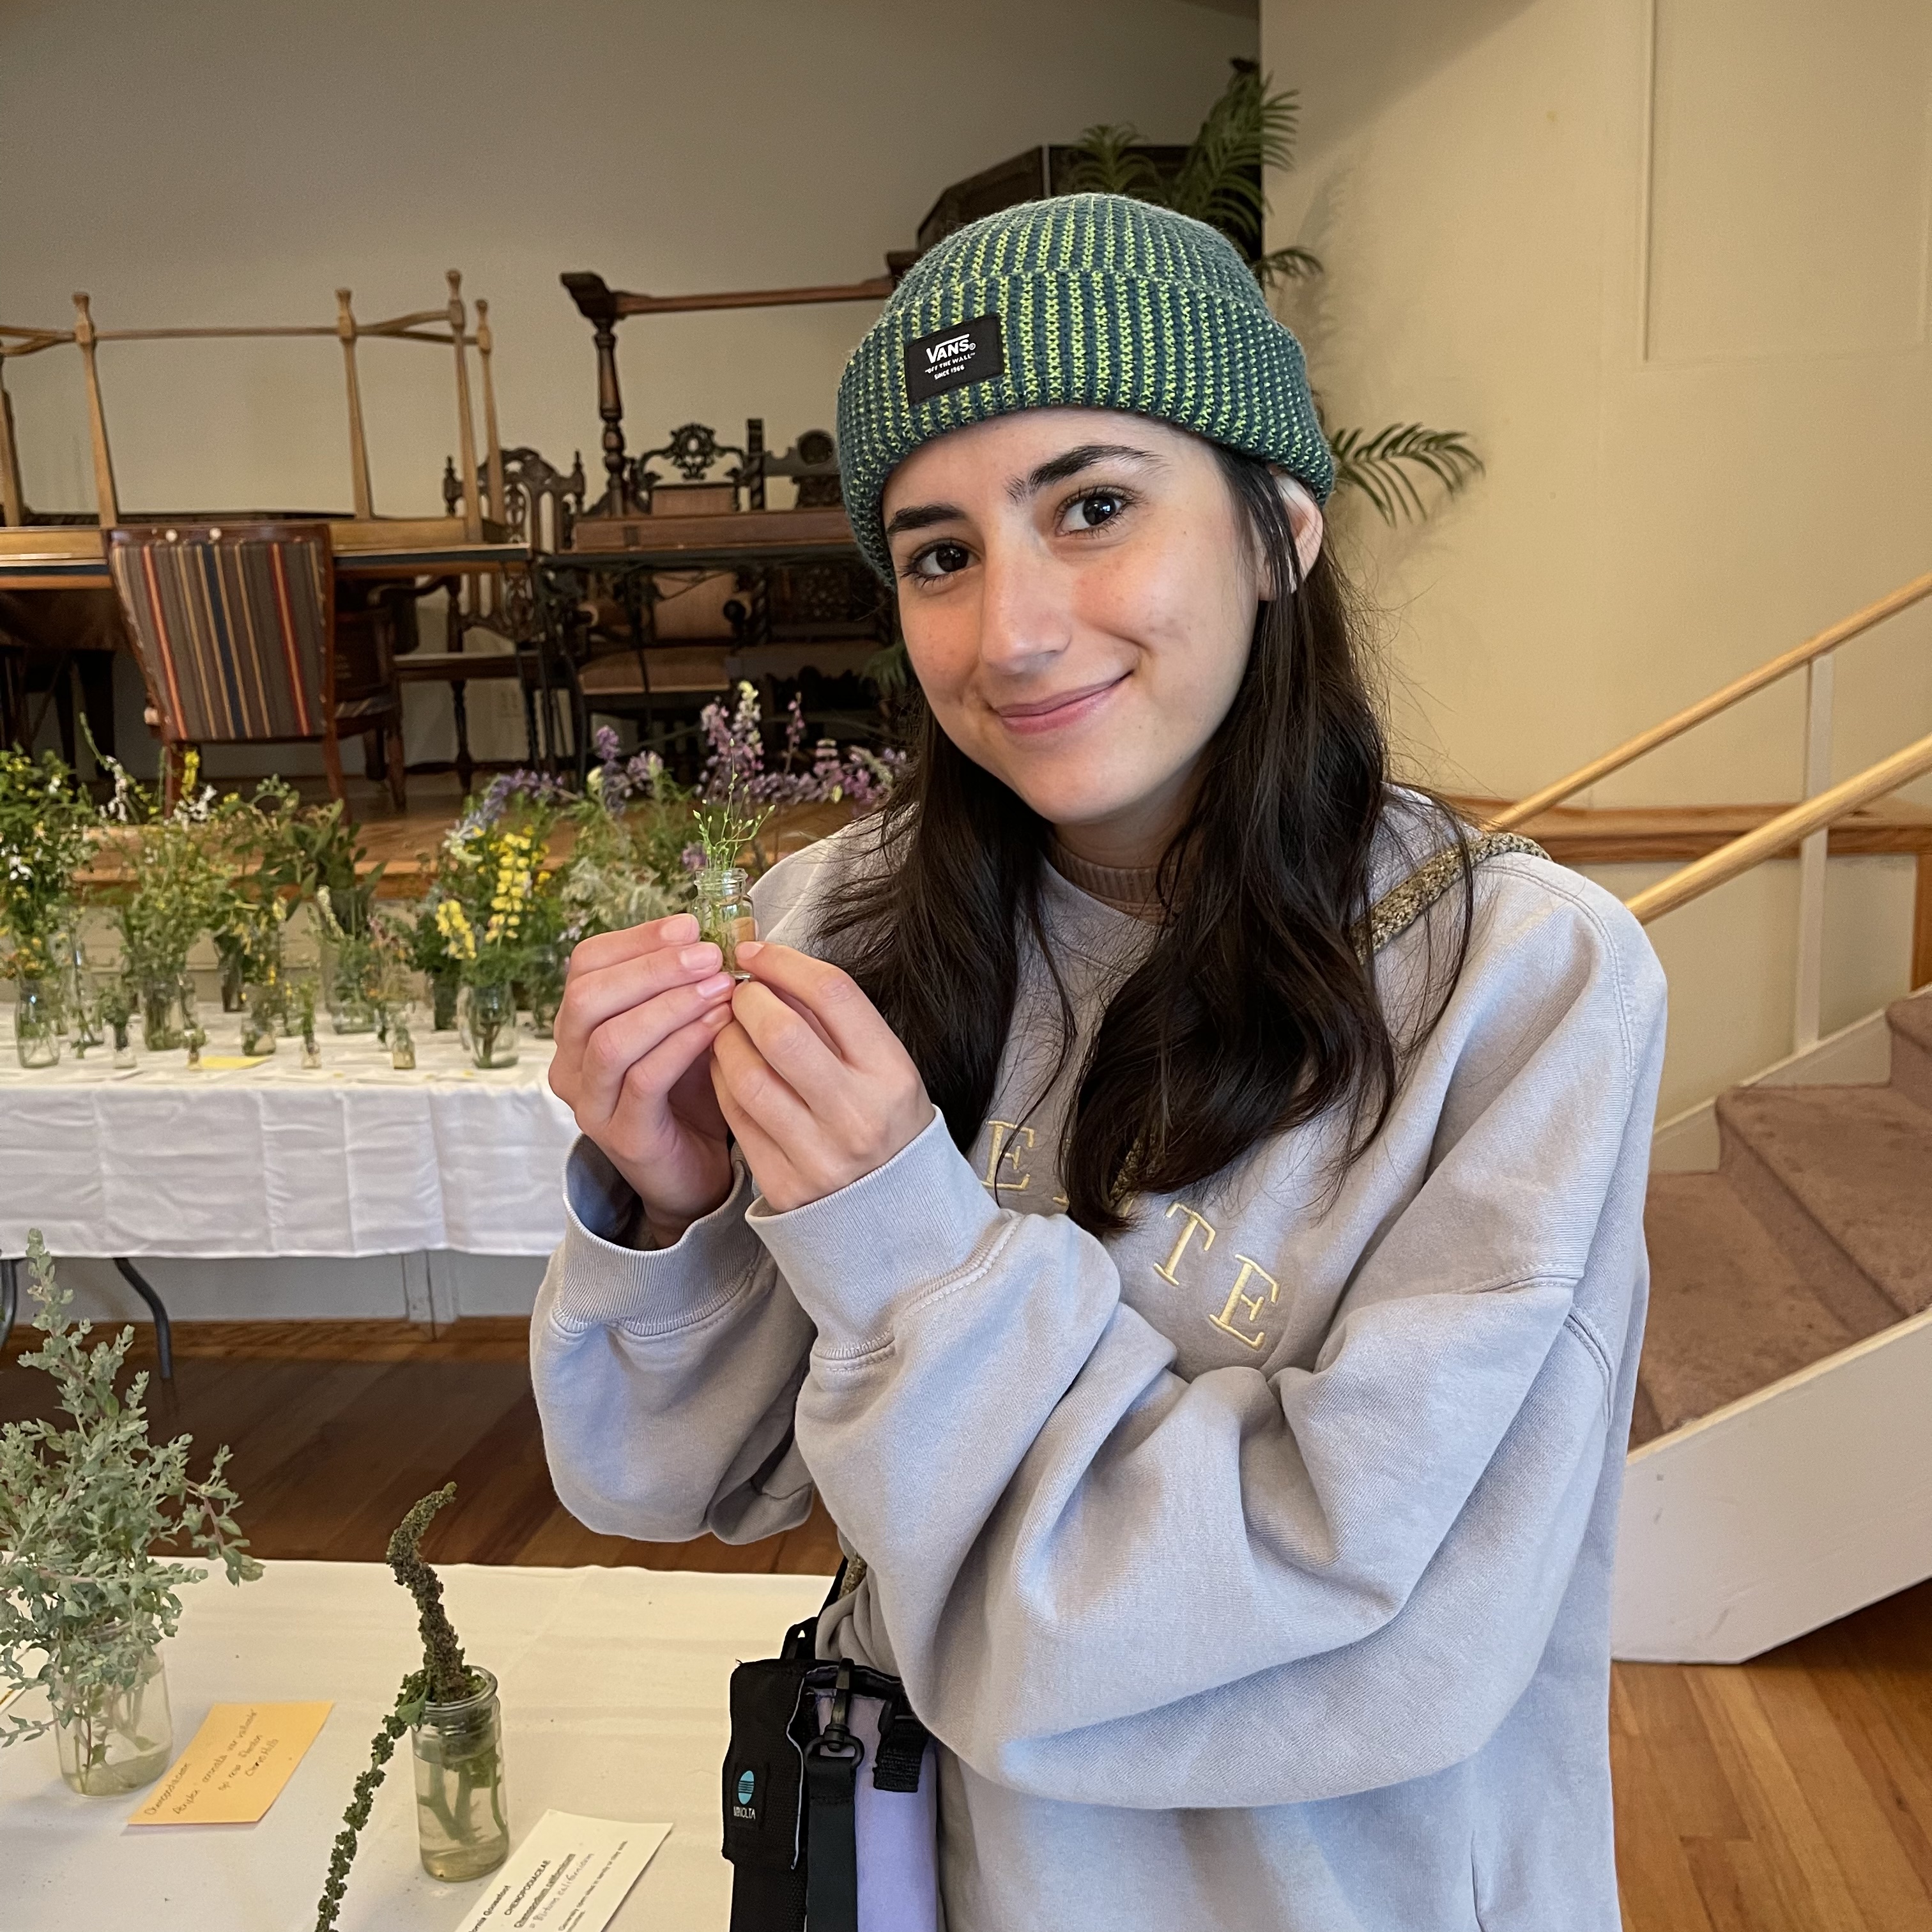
969	352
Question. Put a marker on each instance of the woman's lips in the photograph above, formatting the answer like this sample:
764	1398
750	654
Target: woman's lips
1056	713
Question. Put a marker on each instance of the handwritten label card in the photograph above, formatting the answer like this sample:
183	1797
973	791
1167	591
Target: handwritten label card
570	1875
235	1767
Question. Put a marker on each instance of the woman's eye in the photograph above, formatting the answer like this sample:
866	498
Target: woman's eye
1096	507
938	560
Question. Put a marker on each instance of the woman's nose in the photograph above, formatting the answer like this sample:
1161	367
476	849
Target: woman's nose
1026	618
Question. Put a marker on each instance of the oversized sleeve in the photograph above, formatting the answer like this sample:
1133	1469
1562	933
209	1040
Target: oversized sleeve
666	1378
1105	1582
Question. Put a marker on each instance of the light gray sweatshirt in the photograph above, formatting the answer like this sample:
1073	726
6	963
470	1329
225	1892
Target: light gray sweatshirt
1252	1566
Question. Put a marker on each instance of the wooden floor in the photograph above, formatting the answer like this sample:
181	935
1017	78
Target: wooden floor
1793	1794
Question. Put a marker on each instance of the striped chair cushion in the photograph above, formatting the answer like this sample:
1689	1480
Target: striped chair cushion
231	631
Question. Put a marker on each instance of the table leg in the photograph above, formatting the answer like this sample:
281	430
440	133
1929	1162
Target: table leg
164	1337
10	1296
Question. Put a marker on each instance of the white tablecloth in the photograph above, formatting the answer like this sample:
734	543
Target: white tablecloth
613	1686
354	1159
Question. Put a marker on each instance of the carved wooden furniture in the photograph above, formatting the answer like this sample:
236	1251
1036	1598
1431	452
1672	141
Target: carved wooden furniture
603	307
235	628
539	505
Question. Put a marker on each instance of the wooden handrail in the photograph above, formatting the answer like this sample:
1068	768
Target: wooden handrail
1814	815
1794	659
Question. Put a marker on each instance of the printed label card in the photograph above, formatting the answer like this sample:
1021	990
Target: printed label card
570	1875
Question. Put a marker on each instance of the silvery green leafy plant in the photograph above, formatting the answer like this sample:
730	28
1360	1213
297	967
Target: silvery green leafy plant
82	1511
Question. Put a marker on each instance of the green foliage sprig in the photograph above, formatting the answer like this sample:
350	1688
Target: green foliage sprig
1222	181
46	828
83	1510
443	1678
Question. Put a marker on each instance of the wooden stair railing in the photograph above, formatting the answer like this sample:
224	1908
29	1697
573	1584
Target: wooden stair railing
1809	823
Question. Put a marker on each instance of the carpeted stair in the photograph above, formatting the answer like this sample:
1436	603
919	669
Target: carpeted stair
1815	1231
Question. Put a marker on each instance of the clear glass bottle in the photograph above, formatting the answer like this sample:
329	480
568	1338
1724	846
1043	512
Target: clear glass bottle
233	951
164	1021
36	1020
724	914
444	988
463	1813
82	1012
402	1041
262	1020
489	1024
111	1740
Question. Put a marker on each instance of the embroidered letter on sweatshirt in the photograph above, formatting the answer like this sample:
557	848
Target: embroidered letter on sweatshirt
1251	1303
1165	1269
1009	1151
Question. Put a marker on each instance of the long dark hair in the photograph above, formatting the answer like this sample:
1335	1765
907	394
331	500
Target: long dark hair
1254	1009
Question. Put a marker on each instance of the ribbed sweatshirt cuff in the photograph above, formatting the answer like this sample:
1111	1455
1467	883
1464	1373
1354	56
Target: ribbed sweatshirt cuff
606	1279
855	1257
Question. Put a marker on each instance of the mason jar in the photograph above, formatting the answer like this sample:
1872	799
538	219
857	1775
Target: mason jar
110	1739
463	1813
489	1024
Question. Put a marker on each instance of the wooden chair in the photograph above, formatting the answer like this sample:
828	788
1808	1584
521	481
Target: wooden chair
234	627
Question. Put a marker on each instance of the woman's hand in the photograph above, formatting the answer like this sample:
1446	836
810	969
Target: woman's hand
814	1084
640	1013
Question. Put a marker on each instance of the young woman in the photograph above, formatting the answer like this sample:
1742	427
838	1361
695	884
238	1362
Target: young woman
1177	1196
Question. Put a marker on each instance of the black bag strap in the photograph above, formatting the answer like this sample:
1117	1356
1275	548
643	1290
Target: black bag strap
831	1761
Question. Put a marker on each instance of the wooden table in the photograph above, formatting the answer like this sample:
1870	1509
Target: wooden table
73	556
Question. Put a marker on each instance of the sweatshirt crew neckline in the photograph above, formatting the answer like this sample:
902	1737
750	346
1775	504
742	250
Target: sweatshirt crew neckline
1133	890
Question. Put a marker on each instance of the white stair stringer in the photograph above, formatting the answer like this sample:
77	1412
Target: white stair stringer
1796	1504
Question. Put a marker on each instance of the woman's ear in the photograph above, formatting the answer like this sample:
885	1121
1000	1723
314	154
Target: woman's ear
1305	522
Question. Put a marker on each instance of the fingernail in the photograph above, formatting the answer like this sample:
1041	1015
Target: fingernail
683	922
698	955
719	982
748	949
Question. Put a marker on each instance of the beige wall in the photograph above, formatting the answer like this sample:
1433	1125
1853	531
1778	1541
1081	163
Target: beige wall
1666	260
237	159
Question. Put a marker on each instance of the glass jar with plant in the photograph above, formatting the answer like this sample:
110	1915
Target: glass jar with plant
116	1009
304	1004
499	895
46	826
722	889
178	890
449	1707
81	1511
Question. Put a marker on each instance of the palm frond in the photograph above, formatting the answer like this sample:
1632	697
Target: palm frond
1250	129
1109	165
1385	465
1285	264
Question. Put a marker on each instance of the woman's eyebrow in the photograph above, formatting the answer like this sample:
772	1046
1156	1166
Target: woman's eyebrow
918	516
1072	462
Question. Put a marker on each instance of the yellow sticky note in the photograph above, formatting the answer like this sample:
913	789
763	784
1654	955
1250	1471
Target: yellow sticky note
236	1766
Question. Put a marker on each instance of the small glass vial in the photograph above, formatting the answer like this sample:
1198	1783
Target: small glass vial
462	1816
724	914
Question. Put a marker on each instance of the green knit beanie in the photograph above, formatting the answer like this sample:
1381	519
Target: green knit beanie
1087	301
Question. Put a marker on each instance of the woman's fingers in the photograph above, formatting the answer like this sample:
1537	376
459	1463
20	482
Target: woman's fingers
607	948
652	1078
609	1051
842	1011
759	1091
794	1044
592	998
